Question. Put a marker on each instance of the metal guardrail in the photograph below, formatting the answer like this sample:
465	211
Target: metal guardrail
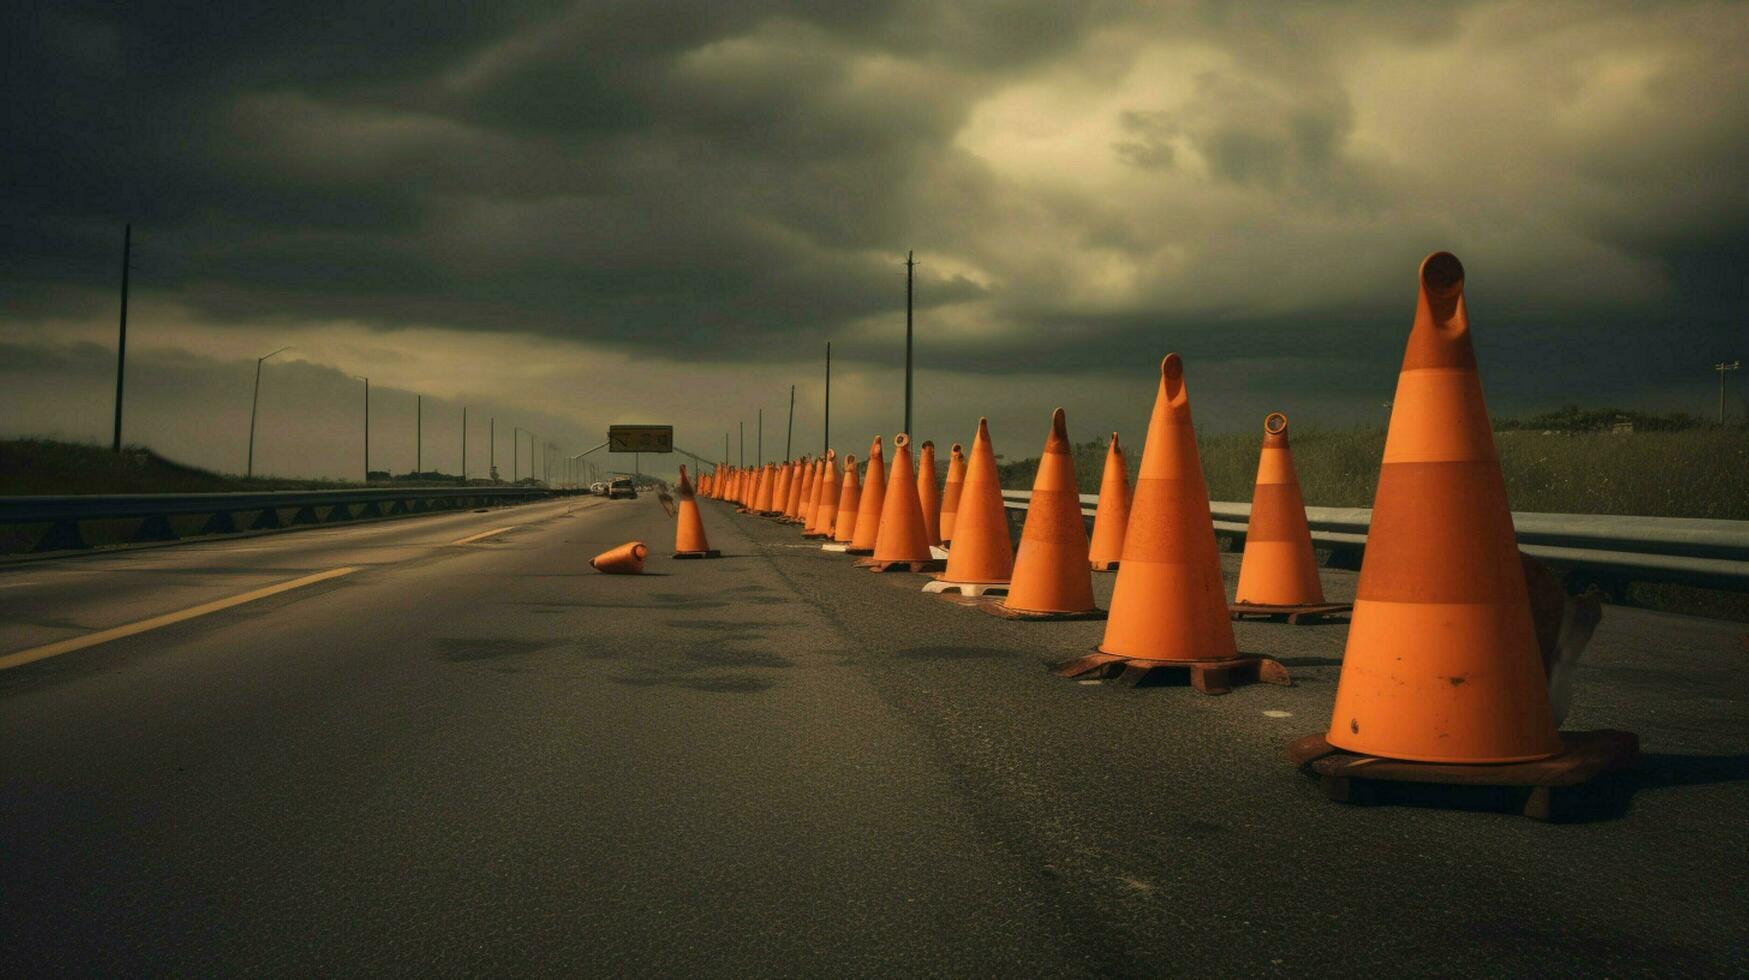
65	514
1690	551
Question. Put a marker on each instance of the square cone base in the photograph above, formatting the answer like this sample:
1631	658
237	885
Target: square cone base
942	586
921	565
1000	607
713	553
865	552
1306	615
1206	676
1573	785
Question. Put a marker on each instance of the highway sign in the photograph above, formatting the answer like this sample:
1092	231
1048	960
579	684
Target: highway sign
640	438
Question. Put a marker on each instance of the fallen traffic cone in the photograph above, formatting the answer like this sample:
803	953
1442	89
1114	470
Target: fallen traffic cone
902	544
627	559
849	500
1052	579
981	559
1442	662
1113	513
689	539
874	496
825	512
1279	574
1169	605
927	493
950	494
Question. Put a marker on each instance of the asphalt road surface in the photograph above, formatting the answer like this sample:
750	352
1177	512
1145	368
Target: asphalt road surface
466	757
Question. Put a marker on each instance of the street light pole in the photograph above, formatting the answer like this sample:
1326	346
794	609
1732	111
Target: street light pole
909	266
492	448
418	435
790	430
366	381
254	403
826	436
515	451
121	346
464	445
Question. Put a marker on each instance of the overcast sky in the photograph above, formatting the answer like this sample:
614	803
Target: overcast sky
570	214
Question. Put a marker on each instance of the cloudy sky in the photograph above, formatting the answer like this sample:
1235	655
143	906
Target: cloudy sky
566	214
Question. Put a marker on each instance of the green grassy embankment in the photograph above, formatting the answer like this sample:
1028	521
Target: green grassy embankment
1664	472
44	466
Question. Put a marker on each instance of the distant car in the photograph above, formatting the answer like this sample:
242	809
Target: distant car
621	487
598	488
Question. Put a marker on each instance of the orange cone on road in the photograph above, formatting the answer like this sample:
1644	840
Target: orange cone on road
785	504
689	539
825	511
780	496
1442	663
928	494
1279	574
762	490
874	497
981	559
627	559
1169	604
1113	513
810	476
903	543
1052	579
849	500
950	494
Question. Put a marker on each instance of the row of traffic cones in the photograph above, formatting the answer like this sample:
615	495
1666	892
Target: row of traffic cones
1442	665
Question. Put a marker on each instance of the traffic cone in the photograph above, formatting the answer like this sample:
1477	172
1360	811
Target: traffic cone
821	519
902	544
780	485
1113	513
689	539
1052	578
928	494
800	493
1442	662
874	497
950	494
627	559
849	501
761	499
981	559
1279	574
1169	605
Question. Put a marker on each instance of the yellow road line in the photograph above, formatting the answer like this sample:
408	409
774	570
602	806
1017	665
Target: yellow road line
104	636
470	539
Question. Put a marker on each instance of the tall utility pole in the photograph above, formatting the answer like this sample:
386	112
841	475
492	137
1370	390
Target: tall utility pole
826	436
909	267
790	430
1720	367
515	451
366	427
418	434
121	346
492	448
254	403
464	445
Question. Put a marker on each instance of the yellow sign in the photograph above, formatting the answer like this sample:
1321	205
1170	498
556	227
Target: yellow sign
640	438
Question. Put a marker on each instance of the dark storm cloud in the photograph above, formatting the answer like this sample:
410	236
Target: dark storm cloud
1088	184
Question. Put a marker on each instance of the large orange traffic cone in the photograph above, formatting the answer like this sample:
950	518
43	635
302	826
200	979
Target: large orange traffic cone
1169	605
928	494
849	501
627	559
981	559
902	544
762	490
874	497
825	509
786	478
950	494
1279	574
689	539
1052	579
804	493
1442	662
1113	513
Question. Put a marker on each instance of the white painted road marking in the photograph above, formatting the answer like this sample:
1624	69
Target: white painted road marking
470	539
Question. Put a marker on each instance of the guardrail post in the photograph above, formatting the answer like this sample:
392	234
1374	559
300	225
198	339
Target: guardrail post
155	528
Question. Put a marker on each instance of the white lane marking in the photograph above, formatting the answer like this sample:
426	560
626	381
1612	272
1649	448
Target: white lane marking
55	649
470	539
1278	714
15	585
1089	682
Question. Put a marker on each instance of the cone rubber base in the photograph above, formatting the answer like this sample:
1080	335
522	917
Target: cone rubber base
924	565
1104	566
1207	676
835	547
1569	785
942	586
713	553
1000	608
1295	615
863	552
